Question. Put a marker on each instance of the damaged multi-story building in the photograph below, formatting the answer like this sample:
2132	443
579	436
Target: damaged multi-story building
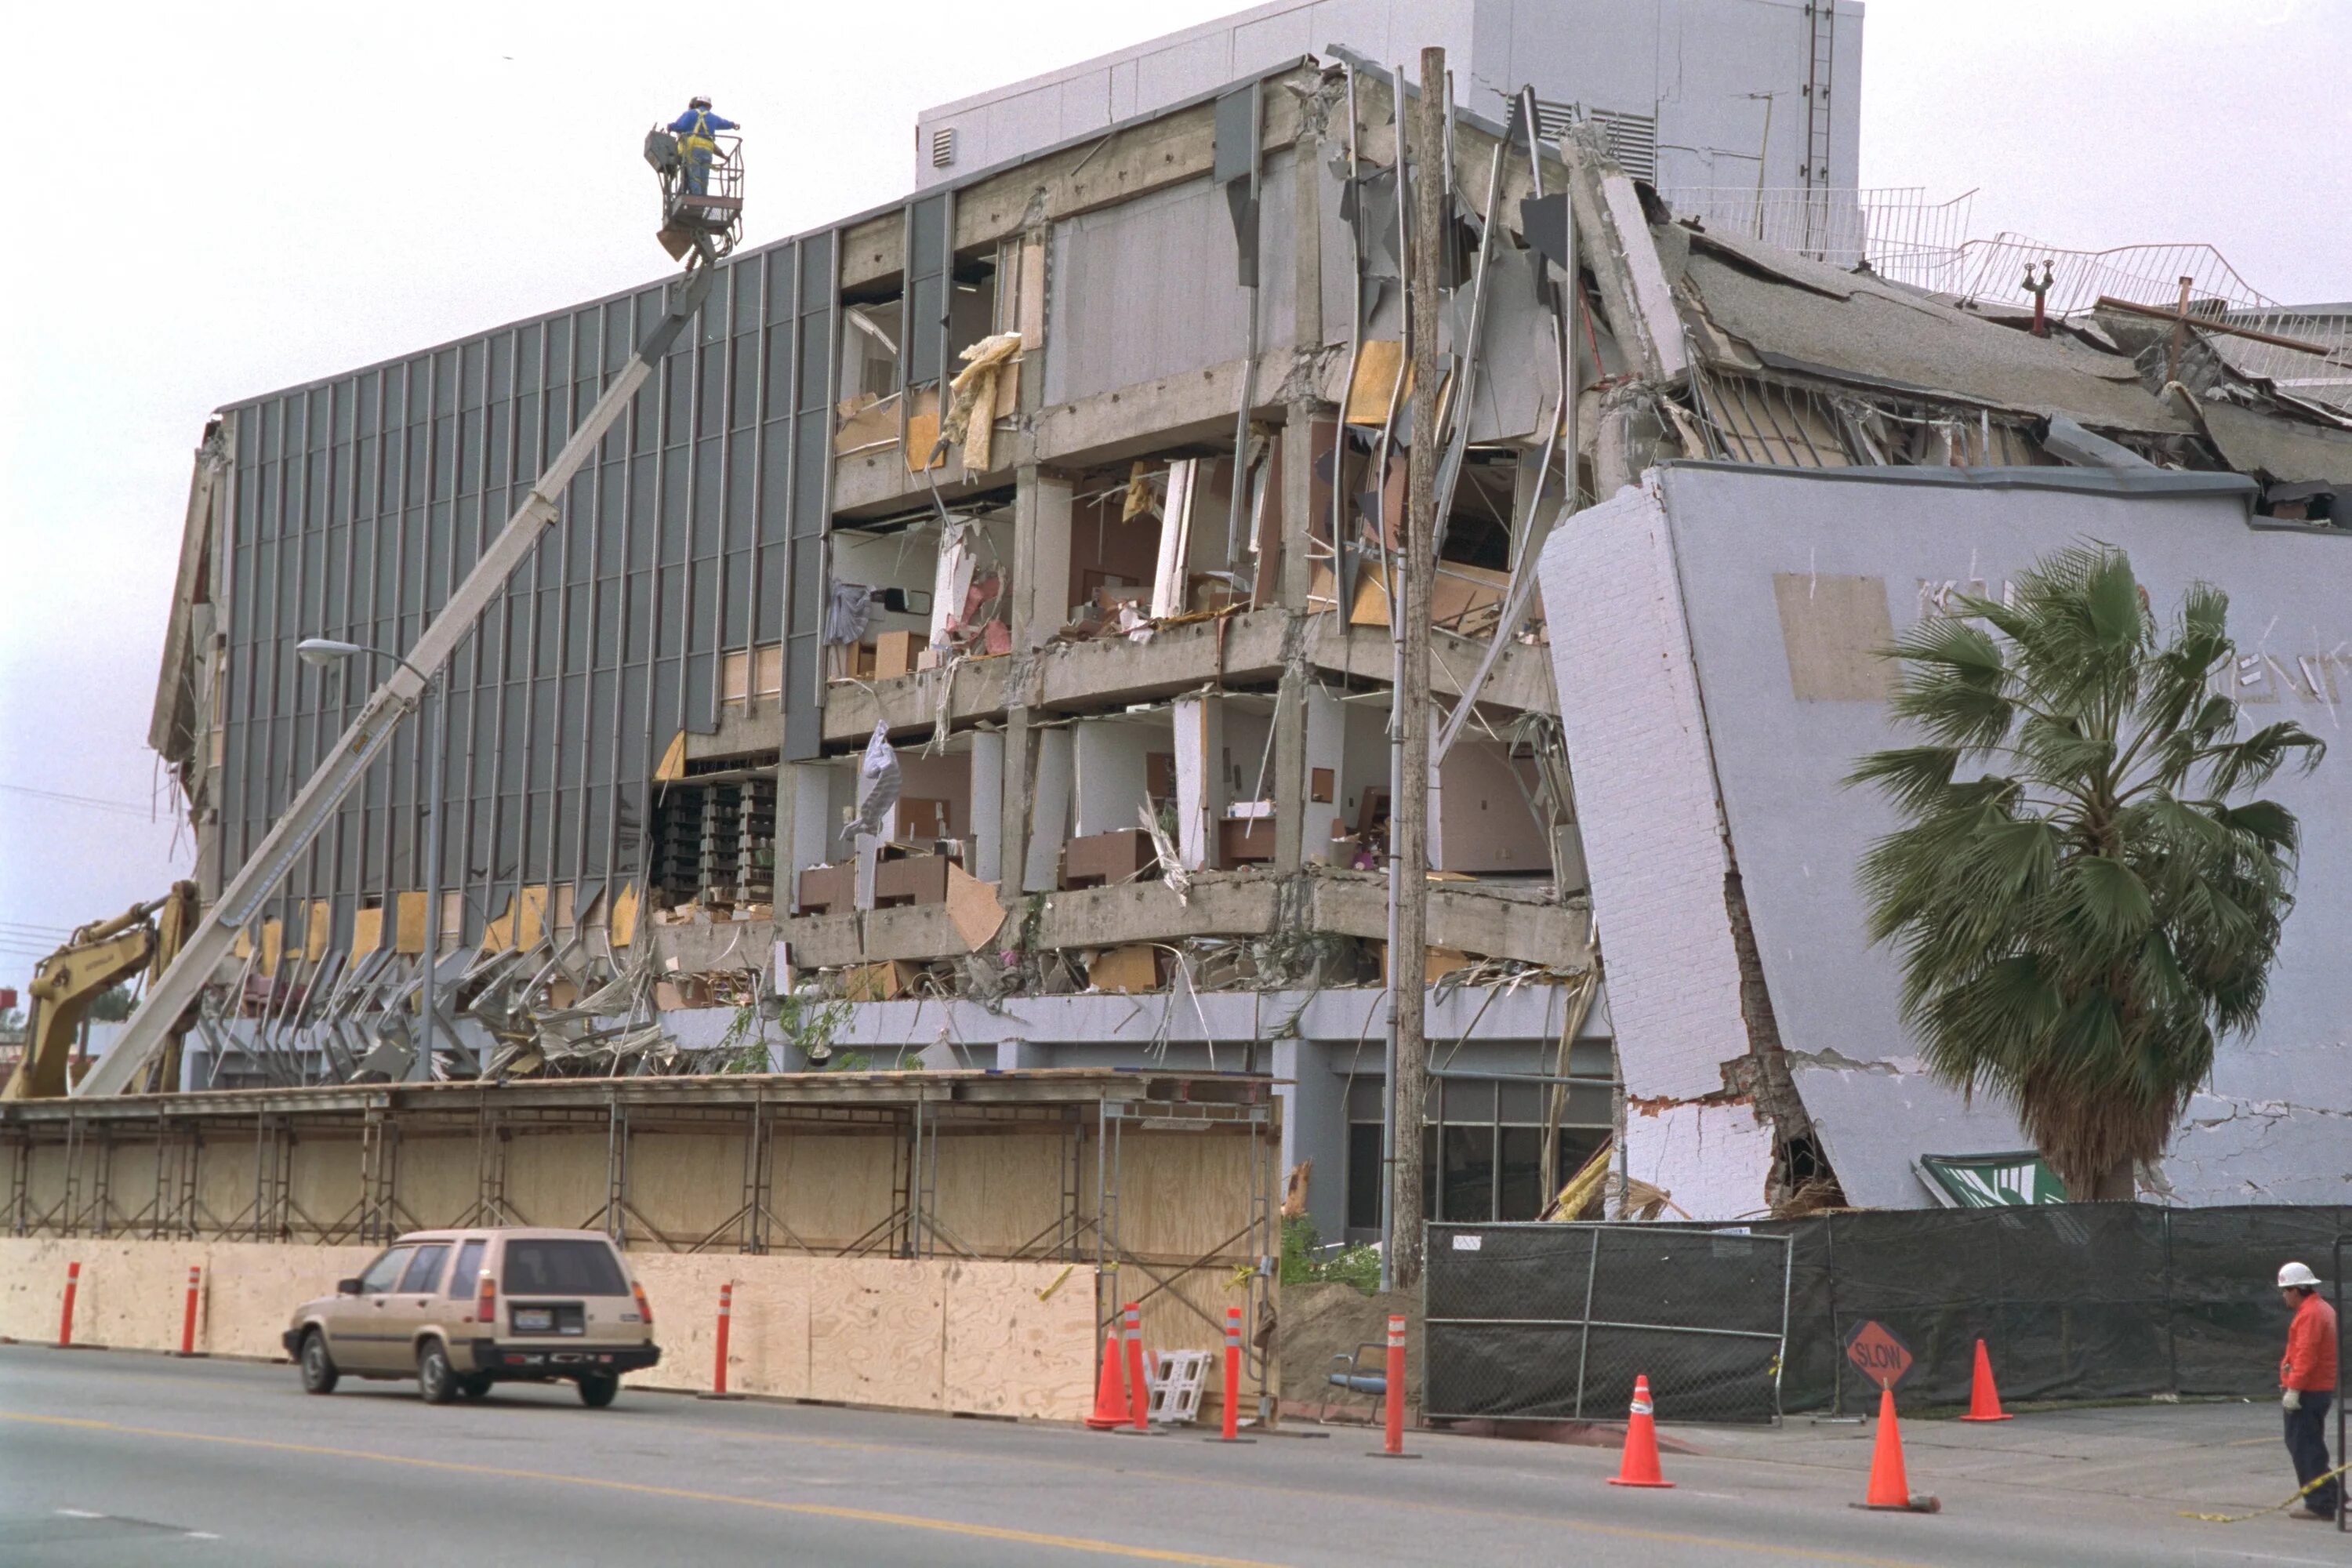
975	648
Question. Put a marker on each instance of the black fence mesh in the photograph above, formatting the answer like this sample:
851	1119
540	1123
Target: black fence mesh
1554	1322
2074	1302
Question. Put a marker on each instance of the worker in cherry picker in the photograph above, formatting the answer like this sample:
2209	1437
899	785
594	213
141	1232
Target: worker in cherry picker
694	130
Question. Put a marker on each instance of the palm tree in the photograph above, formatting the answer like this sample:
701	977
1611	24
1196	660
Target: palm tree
2083	899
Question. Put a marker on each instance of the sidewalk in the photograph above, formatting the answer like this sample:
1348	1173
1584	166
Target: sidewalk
2205	1457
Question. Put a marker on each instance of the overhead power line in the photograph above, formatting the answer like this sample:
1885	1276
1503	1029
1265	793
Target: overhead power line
87	801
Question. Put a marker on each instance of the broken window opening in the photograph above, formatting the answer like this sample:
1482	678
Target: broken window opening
866	415
934	837
2306	502
714	843
1478	526
1802	1180
973	306
751	679
1482	1149
921	594
1148	543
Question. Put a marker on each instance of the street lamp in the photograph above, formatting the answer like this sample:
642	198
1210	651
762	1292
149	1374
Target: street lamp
325	653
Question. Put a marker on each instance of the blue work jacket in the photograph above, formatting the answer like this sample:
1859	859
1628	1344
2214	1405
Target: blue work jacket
684	125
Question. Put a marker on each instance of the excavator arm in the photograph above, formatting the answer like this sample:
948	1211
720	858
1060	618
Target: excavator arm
66	983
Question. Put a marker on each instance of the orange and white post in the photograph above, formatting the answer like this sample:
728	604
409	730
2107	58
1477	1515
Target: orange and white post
1229	1429
1393	1392
718	1352
1139	1383
64	1317
726	1313
188	1314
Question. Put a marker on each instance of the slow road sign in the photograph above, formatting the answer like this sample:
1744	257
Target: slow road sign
1880	1356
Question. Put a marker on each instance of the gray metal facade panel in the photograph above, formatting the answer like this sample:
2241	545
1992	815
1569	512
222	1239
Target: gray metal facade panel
356	504
929	269
1147	288
816	355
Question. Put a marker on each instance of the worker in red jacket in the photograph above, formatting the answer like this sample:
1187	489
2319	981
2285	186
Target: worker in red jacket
2307	1375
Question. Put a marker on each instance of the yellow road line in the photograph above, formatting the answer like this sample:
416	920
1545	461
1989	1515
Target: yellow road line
1292	1493
643	1488
992	1532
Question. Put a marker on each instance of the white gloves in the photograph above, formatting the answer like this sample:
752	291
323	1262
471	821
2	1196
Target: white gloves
2292	1399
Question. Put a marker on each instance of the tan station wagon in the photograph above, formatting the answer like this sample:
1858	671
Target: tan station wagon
461	1309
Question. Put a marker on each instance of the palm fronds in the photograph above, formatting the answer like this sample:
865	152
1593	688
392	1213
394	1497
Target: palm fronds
2081	897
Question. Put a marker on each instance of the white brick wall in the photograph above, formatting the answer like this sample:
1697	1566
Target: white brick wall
1715	1161
1645	797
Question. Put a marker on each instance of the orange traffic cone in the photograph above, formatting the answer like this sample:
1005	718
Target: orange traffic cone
1984	1399
1890	1490
1640	1465
1111	1390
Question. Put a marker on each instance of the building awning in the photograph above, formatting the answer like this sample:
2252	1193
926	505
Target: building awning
1990	1181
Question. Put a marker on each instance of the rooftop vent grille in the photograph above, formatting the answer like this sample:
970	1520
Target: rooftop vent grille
943	147
1633	137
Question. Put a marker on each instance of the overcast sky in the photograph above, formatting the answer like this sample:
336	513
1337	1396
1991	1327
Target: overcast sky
218	201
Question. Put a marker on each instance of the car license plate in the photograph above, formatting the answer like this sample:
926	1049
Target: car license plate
534	1319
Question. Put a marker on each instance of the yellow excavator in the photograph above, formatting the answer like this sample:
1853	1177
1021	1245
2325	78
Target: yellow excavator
144	938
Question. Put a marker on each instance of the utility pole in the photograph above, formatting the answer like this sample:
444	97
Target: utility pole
1408	813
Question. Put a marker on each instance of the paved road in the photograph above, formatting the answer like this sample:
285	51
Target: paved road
120	1459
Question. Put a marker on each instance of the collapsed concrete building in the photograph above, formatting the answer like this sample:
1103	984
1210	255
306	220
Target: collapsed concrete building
975	651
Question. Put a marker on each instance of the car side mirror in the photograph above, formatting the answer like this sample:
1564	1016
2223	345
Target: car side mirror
346	1287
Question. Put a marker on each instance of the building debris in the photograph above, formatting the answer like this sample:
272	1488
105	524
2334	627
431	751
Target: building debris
931	669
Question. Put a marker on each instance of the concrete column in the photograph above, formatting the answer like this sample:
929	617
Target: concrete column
1315	1125
1296	831
1323	733
1041	554
1041	577
1199	728
1291	836
803	826
1307	248
1014	795
987	804
1298	435
1049	812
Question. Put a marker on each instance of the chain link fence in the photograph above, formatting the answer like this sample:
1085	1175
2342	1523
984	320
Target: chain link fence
2075	1301
1547	1321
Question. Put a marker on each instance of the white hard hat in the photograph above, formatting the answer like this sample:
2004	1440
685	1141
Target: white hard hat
2298	1274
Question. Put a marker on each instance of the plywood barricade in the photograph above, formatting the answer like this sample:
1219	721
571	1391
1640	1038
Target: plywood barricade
971	1335
131	1294
925	1240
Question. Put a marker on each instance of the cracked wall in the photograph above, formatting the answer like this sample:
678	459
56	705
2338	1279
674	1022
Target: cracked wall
1773	568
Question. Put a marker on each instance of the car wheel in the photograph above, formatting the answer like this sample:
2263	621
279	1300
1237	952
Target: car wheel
435	1379
597	1388
319	1373
475	1387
